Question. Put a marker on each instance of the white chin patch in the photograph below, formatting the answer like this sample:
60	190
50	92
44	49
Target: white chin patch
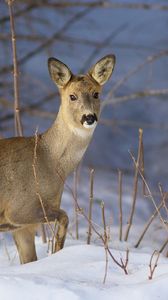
91	126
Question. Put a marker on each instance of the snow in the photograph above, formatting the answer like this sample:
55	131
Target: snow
77	271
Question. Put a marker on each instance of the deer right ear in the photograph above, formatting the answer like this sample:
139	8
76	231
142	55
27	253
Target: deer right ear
59	72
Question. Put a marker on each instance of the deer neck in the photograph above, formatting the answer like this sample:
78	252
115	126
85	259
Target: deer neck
65	143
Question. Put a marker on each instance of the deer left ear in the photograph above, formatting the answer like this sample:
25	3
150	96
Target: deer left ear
103	69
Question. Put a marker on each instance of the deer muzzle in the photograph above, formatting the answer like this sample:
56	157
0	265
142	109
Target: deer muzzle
89	121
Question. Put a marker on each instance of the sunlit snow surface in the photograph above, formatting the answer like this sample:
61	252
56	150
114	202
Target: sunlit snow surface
78	270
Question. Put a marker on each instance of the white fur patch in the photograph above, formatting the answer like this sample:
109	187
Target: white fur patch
83	133
80	132
91	126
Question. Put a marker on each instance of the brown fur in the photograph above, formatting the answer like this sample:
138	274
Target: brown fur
59	150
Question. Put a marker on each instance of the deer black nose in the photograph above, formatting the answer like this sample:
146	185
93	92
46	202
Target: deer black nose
90	119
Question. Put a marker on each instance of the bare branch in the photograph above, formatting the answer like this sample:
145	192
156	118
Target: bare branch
18	125
48	41
150	59
106	4
136	95
19	13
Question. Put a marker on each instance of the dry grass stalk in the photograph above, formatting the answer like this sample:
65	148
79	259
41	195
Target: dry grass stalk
164	198
105	240
163	247
149	192
75	206
18	125
152	268
125	264
154	215
104	221
142	167
135	187
120	265
120	204
90	206
37	186
109	228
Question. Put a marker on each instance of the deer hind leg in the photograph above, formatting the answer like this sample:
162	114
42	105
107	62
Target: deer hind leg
25	242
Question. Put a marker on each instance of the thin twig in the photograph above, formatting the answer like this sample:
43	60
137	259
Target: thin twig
152	268
163	246
150	59
142	167
120	204
135	187
90	205
164	198
104	221
125	264
133	96
106	241
149	191
75	207
148	224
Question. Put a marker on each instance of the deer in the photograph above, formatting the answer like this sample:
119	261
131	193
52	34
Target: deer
58	152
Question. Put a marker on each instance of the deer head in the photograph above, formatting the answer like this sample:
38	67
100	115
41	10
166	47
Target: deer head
80	102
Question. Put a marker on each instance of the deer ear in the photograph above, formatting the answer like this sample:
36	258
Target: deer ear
103	69
59	72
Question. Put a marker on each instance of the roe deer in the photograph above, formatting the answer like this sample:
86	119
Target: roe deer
58	152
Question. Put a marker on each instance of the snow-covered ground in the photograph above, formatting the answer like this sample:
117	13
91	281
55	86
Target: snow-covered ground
77	271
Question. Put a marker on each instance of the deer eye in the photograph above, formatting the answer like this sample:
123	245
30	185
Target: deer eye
73	97
95	95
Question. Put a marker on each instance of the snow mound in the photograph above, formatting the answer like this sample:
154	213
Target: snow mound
77	272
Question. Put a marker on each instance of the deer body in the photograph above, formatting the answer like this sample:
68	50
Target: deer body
54	154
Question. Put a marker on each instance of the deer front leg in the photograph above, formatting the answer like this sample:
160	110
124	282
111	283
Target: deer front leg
24	238
25	243
62	230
